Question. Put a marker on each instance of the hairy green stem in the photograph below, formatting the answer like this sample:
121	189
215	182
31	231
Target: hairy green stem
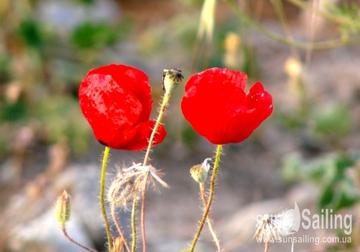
208	220
102	196
164	104
170	79
210	199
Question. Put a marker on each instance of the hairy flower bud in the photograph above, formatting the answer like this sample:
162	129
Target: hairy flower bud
200	172
63	208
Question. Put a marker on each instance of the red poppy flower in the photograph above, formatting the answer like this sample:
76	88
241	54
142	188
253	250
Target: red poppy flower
116	101
217	107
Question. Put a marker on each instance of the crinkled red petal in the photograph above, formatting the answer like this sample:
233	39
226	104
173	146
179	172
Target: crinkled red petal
132	80
217	107
142	134
109	108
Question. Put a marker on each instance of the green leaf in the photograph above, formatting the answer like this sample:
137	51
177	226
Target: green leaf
14	111
31	33
326	197
349	14
89	35
332	121
347	195
343	162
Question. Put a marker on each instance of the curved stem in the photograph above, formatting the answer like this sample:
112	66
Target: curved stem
102	196
118	227
133	224
208	220
63	229
163	108
280	12
210	199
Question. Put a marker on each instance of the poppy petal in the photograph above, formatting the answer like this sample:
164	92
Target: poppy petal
116	101
132	80
142	135
108	108
216	106
260	103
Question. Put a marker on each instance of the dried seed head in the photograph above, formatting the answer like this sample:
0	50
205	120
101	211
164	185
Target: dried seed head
129	182
171	77
266	229
63	208
121	190
200	172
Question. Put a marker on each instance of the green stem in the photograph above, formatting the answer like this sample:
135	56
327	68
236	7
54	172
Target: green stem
133	224
102	196
210	199
164	105
208	220
170	79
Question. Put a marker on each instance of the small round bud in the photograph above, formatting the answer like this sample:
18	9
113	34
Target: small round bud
200	172
63	208
293	67
171	77
232	42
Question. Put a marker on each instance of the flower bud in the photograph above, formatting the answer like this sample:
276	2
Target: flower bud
232	42
63	208
200	172
293	67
